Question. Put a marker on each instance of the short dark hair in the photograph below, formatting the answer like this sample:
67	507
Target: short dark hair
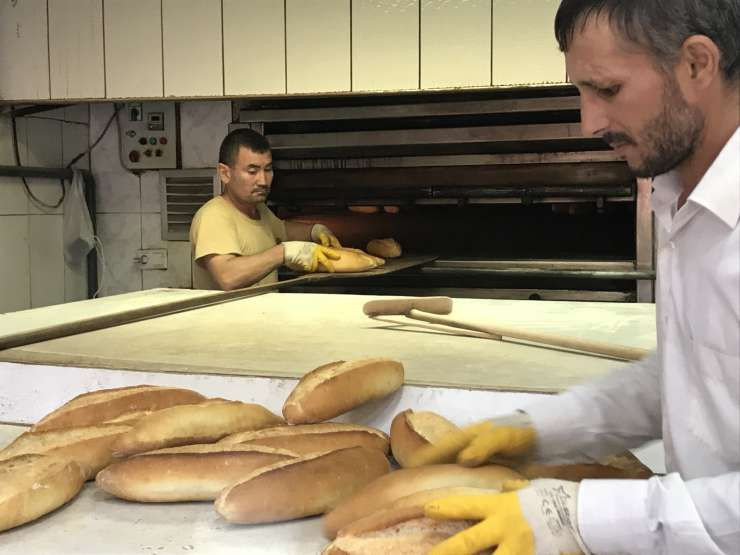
242	137
661	26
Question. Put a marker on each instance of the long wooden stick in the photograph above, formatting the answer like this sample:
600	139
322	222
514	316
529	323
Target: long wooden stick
585	345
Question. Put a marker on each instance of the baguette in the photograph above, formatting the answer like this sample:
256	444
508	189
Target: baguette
407	481
384	248
100	406
189	473
411	430
205	422
309	485
337	387
313	438
33	485
403	531
89	446
353	260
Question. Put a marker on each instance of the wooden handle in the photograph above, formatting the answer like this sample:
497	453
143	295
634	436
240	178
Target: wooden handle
585	345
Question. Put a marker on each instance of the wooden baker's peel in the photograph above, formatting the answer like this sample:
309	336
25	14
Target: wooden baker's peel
427	308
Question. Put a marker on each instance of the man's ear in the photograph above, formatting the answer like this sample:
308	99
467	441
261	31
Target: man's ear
224	172
700	60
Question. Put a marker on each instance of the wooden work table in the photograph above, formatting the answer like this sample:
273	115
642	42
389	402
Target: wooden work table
287	334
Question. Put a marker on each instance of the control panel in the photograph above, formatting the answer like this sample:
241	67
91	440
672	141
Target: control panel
148	135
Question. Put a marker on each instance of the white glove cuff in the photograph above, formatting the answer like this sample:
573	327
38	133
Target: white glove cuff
550	507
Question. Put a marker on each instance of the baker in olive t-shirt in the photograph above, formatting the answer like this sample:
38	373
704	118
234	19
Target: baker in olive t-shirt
236	240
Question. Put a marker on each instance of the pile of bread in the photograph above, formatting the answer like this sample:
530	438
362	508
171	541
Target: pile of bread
162	444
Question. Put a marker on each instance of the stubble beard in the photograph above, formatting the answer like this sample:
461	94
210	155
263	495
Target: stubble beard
672	136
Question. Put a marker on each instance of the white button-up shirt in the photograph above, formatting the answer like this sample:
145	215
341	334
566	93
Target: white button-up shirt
687	392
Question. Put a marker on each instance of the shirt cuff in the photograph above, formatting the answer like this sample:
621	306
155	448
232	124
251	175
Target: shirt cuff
613	516
556	419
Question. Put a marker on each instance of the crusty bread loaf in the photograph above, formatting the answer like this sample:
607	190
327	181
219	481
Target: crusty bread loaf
100	406
384	248
403	531
206	422
189	473
313	438
411	430
353	260
309	485
129	418
407	481
89	446
337	387
33	485
580	471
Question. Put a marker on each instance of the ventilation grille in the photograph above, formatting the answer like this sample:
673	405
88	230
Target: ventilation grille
183	192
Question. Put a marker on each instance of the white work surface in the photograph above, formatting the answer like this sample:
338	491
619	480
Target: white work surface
253	350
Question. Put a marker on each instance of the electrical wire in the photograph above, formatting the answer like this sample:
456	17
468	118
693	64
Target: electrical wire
30	194
69	165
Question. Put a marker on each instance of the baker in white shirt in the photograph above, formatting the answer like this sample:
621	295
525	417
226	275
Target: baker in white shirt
658	82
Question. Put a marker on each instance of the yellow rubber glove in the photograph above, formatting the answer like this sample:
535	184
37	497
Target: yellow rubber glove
539	519
511	437
304	256
323	235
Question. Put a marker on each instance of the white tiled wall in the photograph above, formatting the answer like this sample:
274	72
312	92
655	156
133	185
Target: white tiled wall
34	272
128	205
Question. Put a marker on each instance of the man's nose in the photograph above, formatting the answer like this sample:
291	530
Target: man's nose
594	120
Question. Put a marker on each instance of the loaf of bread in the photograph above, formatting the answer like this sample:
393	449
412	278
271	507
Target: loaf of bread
313	438
384	248
309	485
578	472
206	422
403	531
353	260
189	473
104	405
411	430
407	481
33	485
337	387
89	446
129	418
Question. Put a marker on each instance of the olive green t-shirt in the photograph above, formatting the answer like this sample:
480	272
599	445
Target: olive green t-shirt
220	228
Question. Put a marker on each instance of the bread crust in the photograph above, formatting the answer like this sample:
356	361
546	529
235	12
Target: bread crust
404	531
96	407
313	438
306	486
189	473
354	260
338	387
384	248
411	430
89	446
34	485
205	422
407	481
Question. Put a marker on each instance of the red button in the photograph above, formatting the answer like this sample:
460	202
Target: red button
134	156
163	140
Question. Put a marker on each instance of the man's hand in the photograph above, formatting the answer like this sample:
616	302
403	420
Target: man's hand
324	236
539	519
305	256
509	436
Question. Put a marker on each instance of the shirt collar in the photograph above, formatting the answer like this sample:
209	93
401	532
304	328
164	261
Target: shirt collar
718	191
